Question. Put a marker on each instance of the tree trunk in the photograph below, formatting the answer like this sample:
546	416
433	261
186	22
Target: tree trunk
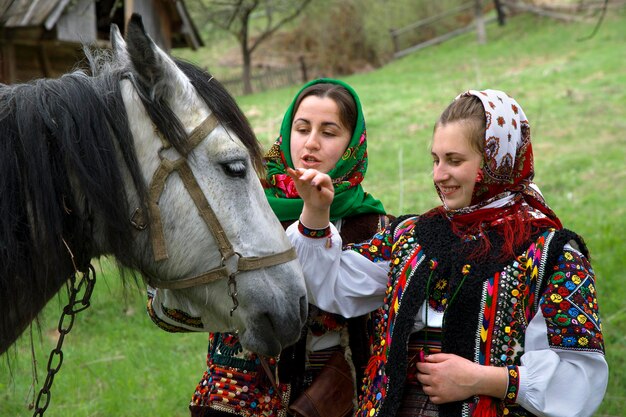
481	33
500	12
246	54
303	69
247	73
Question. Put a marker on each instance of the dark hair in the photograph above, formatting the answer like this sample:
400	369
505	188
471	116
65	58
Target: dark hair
470	111
345	102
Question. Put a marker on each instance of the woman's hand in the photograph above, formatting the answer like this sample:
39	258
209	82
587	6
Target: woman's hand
316	189
446	377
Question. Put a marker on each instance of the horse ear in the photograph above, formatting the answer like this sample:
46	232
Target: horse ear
118	45
155	68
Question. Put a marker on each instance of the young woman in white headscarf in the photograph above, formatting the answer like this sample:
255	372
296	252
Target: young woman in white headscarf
490	308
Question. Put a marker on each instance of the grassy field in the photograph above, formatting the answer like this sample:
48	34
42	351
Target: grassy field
116	363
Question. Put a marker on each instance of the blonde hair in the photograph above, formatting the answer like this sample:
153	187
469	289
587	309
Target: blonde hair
470	111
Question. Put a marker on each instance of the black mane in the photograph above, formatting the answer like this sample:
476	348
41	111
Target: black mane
59	144
225	108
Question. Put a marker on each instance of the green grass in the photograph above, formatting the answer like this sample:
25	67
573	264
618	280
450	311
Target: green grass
116	363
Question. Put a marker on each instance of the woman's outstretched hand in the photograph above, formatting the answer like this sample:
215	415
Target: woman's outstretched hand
316	189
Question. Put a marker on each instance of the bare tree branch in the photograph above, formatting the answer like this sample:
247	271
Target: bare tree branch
234	16
267	33
598	24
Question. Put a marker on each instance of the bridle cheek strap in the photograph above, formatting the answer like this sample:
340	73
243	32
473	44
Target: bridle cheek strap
159	249
157	185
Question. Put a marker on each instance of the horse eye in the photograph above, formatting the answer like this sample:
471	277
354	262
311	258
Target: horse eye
235	169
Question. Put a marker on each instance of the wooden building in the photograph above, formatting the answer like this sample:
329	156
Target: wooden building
44	38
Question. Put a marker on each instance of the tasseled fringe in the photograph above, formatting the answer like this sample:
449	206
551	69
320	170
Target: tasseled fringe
514	227
486	407
372	366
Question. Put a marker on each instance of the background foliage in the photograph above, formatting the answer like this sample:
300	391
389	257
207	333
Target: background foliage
573	92
337	37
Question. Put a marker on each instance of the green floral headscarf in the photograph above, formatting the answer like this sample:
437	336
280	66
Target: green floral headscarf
350	198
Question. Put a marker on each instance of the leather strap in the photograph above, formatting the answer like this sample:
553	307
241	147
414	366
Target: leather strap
201	131
205	210
244	264
157	185
159	248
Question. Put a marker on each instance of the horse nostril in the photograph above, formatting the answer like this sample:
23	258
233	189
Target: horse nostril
304	309
271	320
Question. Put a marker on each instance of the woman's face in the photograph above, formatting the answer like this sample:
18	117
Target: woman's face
318	138
455	165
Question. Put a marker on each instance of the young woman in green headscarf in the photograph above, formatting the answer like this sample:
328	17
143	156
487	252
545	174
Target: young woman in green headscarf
347	171
323	129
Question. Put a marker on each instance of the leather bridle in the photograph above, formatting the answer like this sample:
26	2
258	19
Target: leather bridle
159	249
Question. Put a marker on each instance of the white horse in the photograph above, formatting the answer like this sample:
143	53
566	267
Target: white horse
148	159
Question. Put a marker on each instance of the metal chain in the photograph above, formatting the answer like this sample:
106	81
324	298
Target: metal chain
74	305
232	291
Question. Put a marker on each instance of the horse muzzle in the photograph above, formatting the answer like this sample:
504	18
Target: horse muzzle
274	310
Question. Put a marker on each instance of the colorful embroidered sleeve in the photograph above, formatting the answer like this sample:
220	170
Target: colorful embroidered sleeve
570	305
378	249
563	371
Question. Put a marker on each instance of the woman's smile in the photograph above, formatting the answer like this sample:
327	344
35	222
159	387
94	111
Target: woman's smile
447	190
455	165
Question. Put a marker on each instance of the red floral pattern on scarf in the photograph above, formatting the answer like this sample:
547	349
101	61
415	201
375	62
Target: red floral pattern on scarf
286	185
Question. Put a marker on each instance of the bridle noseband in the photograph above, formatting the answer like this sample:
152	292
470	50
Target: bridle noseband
159	249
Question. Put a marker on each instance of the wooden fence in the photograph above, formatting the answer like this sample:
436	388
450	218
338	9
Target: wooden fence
427	31
270	78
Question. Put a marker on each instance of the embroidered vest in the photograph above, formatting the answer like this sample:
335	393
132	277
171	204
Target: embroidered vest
486	323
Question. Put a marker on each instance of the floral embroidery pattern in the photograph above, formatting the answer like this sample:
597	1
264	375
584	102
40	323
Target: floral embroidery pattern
511	298
570	305
515	309
284	183
378	249
439	295
374	388
313	233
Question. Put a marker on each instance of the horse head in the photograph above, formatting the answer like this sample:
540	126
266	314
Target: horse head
148	159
